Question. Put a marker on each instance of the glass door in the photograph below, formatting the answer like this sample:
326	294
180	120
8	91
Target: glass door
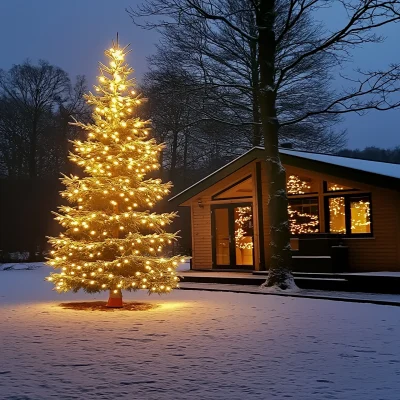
233	241
222	237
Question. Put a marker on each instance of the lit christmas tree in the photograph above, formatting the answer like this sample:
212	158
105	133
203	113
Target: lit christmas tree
112	240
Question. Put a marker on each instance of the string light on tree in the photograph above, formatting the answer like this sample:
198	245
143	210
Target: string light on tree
112	241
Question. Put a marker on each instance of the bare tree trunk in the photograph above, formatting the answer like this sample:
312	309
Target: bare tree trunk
32	170
33	149
255	83
256	119
173	155
185	157
280	259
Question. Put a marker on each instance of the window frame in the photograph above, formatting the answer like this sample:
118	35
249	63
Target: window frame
215	196
347	213
329	192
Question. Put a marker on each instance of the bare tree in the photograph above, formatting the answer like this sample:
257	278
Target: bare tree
225	63
36	104
194	146
272	28
34	91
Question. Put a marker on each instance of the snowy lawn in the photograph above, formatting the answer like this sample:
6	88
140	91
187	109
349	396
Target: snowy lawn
193	345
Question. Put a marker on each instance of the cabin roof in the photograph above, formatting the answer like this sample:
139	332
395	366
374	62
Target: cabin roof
375	167
376	173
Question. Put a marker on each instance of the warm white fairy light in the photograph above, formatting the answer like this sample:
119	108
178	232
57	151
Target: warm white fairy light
297	186
244	215
96	250
360	215
300	222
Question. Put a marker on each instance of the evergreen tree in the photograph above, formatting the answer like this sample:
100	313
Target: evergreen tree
112	239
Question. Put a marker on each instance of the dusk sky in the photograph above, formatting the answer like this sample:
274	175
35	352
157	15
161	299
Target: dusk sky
73	35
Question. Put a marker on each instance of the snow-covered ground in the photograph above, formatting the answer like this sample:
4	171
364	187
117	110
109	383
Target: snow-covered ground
194	345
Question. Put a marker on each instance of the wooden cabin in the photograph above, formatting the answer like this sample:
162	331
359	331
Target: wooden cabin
344	214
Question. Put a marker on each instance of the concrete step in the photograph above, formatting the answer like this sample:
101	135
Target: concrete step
257	280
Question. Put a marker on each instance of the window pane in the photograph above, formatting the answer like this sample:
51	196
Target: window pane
301	185
333	187
242	189
244	235
337	219
222	236
303	215
360	214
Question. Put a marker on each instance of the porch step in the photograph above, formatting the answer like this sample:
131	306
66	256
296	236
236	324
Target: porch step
321	275
228	280
339	284
368	283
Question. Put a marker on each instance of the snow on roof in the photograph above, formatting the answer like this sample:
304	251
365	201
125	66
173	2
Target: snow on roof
375	167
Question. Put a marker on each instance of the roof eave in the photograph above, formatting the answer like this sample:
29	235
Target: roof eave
223	172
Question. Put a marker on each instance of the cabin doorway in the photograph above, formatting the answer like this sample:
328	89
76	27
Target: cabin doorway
232	236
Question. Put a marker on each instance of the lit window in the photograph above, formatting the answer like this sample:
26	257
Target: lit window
334	187
337	215
303	215
360	214
300	185
349	214
242	189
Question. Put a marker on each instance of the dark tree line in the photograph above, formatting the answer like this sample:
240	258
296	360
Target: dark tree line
374	154
37	102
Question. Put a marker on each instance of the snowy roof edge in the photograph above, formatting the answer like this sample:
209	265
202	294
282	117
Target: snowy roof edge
373	168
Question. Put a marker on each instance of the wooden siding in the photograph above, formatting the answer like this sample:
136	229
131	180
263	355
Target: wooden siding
201	236
380	252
